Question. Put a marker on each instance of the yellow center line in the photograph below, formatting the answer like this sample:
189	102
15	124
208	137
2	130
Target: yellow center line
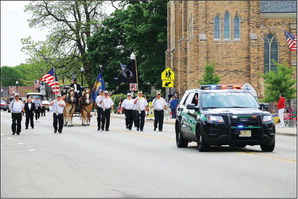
270	156
171	139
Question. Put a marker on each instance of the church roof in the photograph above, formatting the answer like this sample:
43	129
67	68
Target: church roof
278	6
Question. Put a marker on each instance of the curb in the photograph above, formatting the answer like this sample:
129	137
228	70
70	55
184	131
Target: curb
173	122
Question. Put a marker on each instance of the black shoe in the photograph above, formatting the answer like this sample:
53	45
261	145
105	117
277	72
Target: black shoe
141	129
154	129
60	131
107	129
102	129
13	133
137	129
129	129
32	127
98	129
26	128
18	133
55	131
160	129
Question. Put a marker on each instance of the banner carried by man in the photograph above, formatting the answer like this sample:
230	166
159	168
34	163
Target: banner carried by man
51	79
99	84
128	73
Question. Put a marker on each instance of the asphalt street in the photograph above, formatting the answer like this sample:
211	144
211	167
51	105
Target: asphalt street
84	162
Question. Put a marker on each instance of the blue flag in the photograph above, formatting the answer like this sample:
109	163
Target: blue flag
99	84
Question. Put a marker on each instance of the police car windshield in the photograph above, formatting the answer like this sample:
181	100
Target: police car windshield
228	100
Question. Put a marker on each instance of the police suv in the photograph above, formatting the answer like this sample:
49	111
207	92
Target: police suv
223	115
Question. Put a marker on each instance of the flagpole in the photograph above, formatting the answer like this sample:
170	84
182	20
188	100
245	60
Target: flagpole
133	56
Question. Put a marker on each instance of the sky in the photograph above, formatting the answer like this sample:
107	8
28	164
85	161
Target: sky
14	27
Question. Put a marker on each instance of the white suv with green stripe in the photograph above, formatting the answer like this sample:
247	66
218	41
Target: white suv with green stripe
223	115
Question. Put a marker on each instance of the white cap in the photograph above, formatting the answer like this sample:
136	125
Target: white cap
106	92
158	93
129	94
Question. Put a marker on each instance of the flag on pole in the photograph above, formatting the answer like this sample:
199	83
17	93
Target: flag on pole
292	40
51	79
99	84
128	73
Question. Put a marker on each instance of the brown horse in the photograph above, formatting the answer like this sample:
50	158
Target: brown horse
70	107
86	106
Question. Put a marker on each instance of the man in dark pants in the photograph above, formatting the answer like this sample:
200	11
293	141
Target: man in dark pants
141	107
29	110
159	105
58	107
99	109
107	105
128	107
17	109
38	106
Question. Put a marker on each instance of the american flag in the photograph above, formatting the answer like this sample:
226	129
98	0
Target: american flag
292	40
51	79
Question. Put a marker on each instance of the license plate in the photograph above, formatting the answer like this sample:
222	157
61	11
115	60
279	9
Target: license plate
245	133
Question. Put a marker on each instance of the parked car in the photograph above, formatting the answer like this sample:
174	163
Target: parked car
3	105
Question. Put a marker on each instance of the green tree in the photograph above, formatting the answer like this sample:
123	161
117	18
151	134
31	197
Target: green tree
280	81
9	76
72	24
139	27
209	77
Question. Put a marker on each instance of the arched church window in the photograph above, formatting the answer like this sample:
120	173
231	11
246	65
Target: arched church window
217	28
236	27
270	53
227	26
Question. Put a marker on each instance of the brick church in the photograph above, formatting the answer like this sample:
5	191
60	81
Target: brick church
239	37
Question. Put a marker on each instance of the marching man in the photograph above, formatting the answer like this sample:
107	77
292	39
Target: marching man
128	106
141	107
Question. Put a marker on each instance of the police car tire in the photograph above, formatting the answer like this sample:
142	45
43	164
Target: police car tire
201	143
180	141
267	148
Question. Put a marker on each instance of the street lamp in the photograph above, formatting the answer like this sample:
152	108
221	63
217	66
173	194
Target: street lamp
82	70
133	57
17	82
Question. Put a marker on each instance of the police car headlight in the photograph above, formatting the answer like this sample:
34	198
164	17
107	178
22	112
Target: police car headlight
267	118
213	118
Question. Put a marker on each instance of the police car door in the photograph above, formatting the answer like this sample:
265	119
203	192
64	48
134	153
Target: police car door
187	118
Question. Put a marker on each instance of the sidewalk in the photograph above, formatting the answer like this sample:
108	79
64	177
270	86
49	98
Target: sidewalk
289	131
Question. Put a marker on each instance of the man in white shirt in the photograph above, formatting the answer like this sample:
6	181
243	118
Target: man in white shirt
99	109
159	105
38	106
128	106
17	109
107	104
140	112
58	107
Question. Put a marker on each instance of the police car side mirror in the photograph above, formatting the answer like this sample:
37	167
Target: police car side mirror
264	106
191	106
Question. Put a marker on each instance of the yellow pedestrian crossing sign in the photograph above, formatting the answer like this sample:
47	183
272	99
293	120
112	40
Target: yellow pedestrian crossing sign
168	83
168	74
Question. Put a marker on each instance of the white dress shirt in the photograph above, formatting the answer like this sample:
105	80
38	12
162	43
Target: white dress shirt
29	106
57	108
128	104
141	104
107	103
97	100
16	106
159	104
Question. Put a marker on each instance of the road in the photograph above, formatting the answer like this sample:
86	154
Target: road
82	162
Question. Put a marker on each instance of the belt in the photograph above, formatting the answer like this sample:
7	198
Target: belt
16	112
158	109
129	109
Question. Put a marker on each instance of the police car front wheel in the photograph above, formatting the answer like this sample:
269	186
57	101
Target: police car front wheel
180	141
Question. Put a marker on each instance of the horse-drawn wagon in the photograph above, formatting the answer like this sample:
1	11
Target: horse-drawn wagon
76	105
